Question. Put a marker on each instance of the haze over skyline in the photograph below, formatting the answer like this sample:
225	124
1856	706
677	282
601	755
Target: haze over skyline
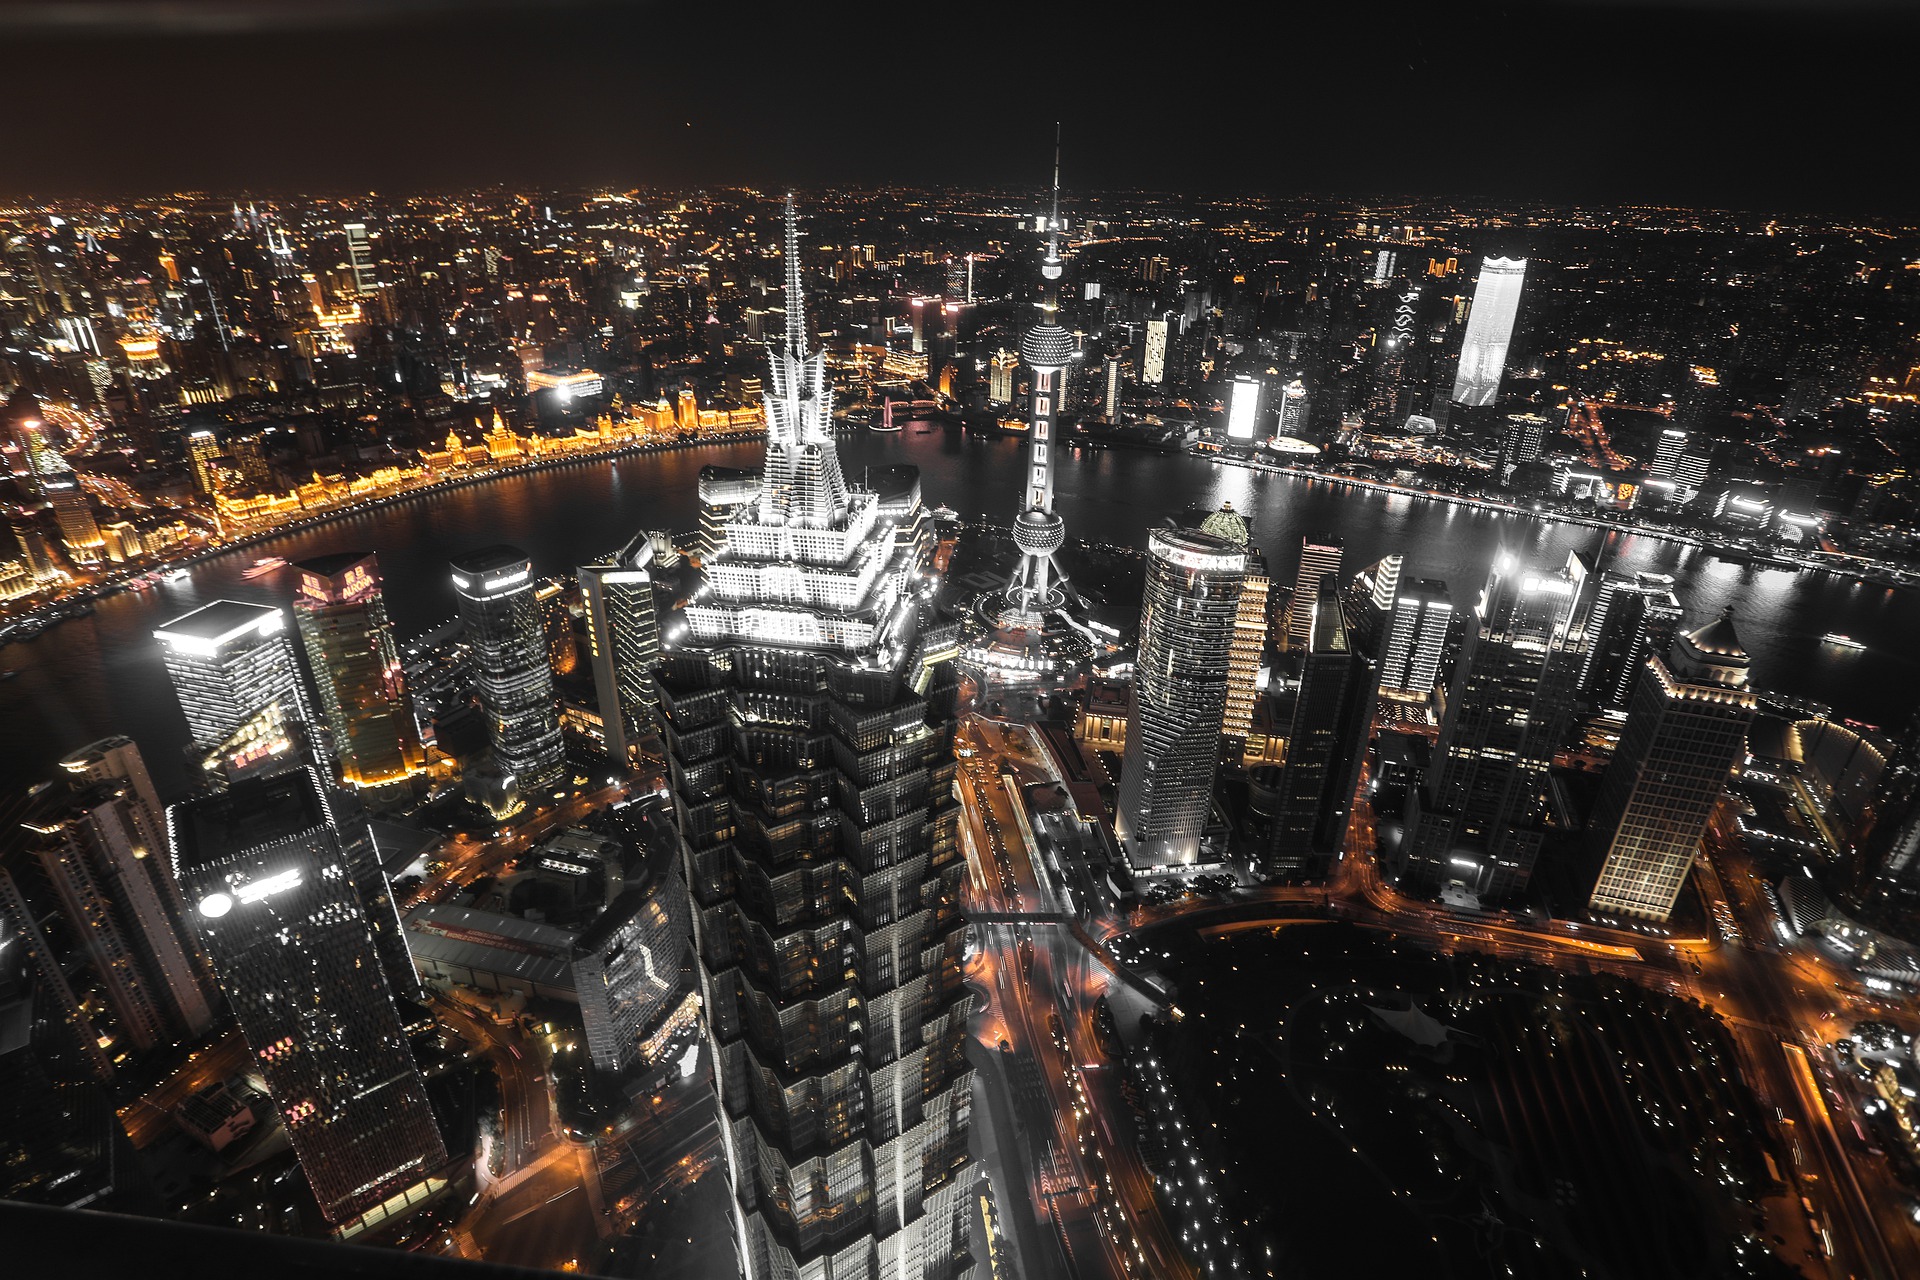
1775	106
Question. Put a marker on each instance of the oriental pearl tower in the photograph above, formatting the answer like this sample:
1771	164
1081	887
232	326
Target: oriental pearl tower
1030	636
1037	583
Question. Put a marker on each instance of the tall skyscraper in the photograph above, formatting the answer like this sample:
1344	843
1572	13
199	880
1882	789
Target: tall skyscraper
1686	730
1194	582
1113	386
265	868
1416	639
1047	349
341	614
511	672
623	642
1319	558
360	257
1483	352
808	711
1633	617
1153	359
1243	408
1522	440
1368	603
233	669
1667	454
118	759
627	966
1332	715
1476	819
1293	410
73	511
1249	650
94	849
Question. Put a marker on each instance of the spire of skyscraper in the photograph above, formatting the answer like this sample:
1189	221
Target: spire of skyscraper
796	299
803	486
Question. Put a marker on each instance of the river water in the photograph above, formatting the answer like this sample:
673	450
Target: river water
102	674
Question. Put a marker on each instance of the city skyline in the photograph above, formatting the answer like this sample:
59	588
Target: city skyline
794	737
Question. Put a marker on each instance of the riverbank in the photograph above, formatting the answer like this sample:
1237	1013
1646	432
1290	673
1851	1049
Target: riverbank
1856	568
30	623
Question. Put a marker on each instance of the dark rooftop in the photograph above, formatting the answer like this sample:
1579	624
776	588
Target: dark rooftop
488	559
256	811
329	566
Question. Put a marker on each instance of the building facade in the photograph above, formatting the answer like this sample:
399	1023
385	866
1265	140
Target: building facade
808	713
623	643
234	670
1326	742
1483	352
512	673
1416	639
341	614
1320	555
265	869
1194	583
1686	731
1476	820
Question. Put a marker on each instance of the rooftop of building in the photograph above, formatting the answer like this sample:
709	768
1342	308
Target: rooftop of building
491	559
491	942
331	566
222	620
253	813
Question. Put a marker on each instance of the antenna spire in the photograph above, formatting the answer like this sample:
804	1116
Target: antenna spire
1050	268
796	301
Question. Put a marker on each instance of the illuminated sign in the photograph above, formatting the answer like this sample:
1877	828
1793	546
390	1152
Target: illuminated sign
265	888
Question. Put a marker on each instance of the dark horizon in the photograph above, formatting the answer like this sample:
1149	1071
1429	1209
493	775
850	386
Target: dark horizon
1779	107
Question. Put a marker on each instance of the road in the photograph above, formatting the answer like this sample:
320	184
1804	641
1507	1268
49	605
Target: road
1782	1003
150	1117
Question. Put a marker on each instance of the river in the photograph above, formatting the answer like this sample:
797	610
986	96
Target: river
102	674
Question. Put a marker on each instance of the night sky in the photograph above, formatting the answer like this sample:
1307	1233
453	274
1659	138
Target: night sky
1775	105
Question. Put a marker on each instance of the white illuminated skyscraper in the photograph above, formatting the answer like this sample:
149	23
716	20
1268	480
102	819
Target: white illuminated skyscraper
1483	353
1153	361
360	255
1319	558
1416	638
233	666
511	673
1194	583
623	641
1243	410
